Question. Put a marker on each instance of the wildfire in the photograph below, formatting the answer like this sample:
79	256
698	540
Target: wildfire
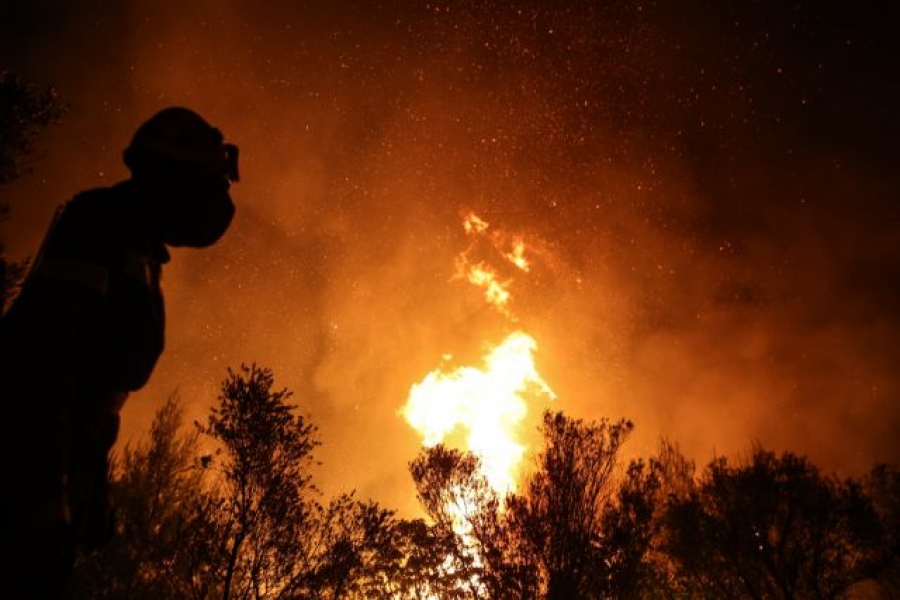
516	255
495	292
479	273
488	404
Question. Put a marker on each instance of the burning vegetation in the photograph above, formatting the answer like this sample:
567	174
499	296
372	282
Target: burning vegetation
720	179
490	404
244	518
232	509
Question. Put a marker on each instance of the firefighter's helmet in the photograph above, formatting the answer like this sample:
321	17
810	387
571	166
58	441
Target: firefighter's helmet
179	136
183	164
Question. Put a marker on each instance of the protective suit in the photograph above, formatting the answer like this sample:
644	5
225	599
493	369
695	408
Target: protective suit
87	329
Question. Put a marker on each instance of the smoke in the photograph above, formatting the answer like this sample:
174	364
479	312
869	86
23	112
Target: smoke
711	258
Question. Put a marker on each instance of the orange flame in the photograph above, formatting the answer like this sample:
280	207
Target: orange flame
489	403
495	292
473	224
478	273
517	254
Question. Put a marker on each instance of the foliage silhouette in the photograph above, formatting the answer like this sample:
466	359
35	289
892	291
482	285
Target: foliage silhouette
484	557
264	486
24	113
244	519
775	527
559	514
157	485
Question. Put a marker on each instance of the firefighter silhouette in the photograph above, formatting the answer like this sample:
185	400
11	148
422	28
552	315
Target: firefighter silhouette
86	330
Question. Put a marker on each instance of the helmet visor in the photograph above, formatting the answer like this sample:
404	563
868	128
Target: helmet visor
228	159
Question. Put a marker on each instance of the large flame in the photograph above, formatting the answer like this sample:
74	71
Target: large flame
490	403
487	404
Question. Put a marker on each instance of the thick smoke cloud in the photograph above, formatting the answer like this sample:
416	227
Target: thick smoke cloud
707	193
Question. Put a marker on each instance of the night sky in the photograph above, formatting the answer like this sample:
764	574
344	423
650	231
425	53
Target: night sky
708	190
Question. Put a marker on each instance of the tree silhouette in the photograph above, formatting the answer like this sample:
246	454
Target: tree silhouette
244	520
457	498
24	113
560	512
157	485
882	485
627	531
418	565
484	558
262	460
267	533
774	527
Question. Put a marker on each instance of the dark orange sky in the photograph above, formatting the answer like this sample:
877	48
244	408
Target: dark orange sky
713	191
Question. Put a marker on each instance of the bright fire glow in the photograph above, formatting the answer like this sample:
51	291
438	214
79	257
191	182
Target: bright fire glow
495	292
489	403
484	407
482	275
473	224
516	255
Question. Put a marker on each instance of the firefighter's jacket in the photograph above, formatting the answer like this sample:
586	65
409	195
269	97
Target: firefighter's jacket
90	315
86	329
